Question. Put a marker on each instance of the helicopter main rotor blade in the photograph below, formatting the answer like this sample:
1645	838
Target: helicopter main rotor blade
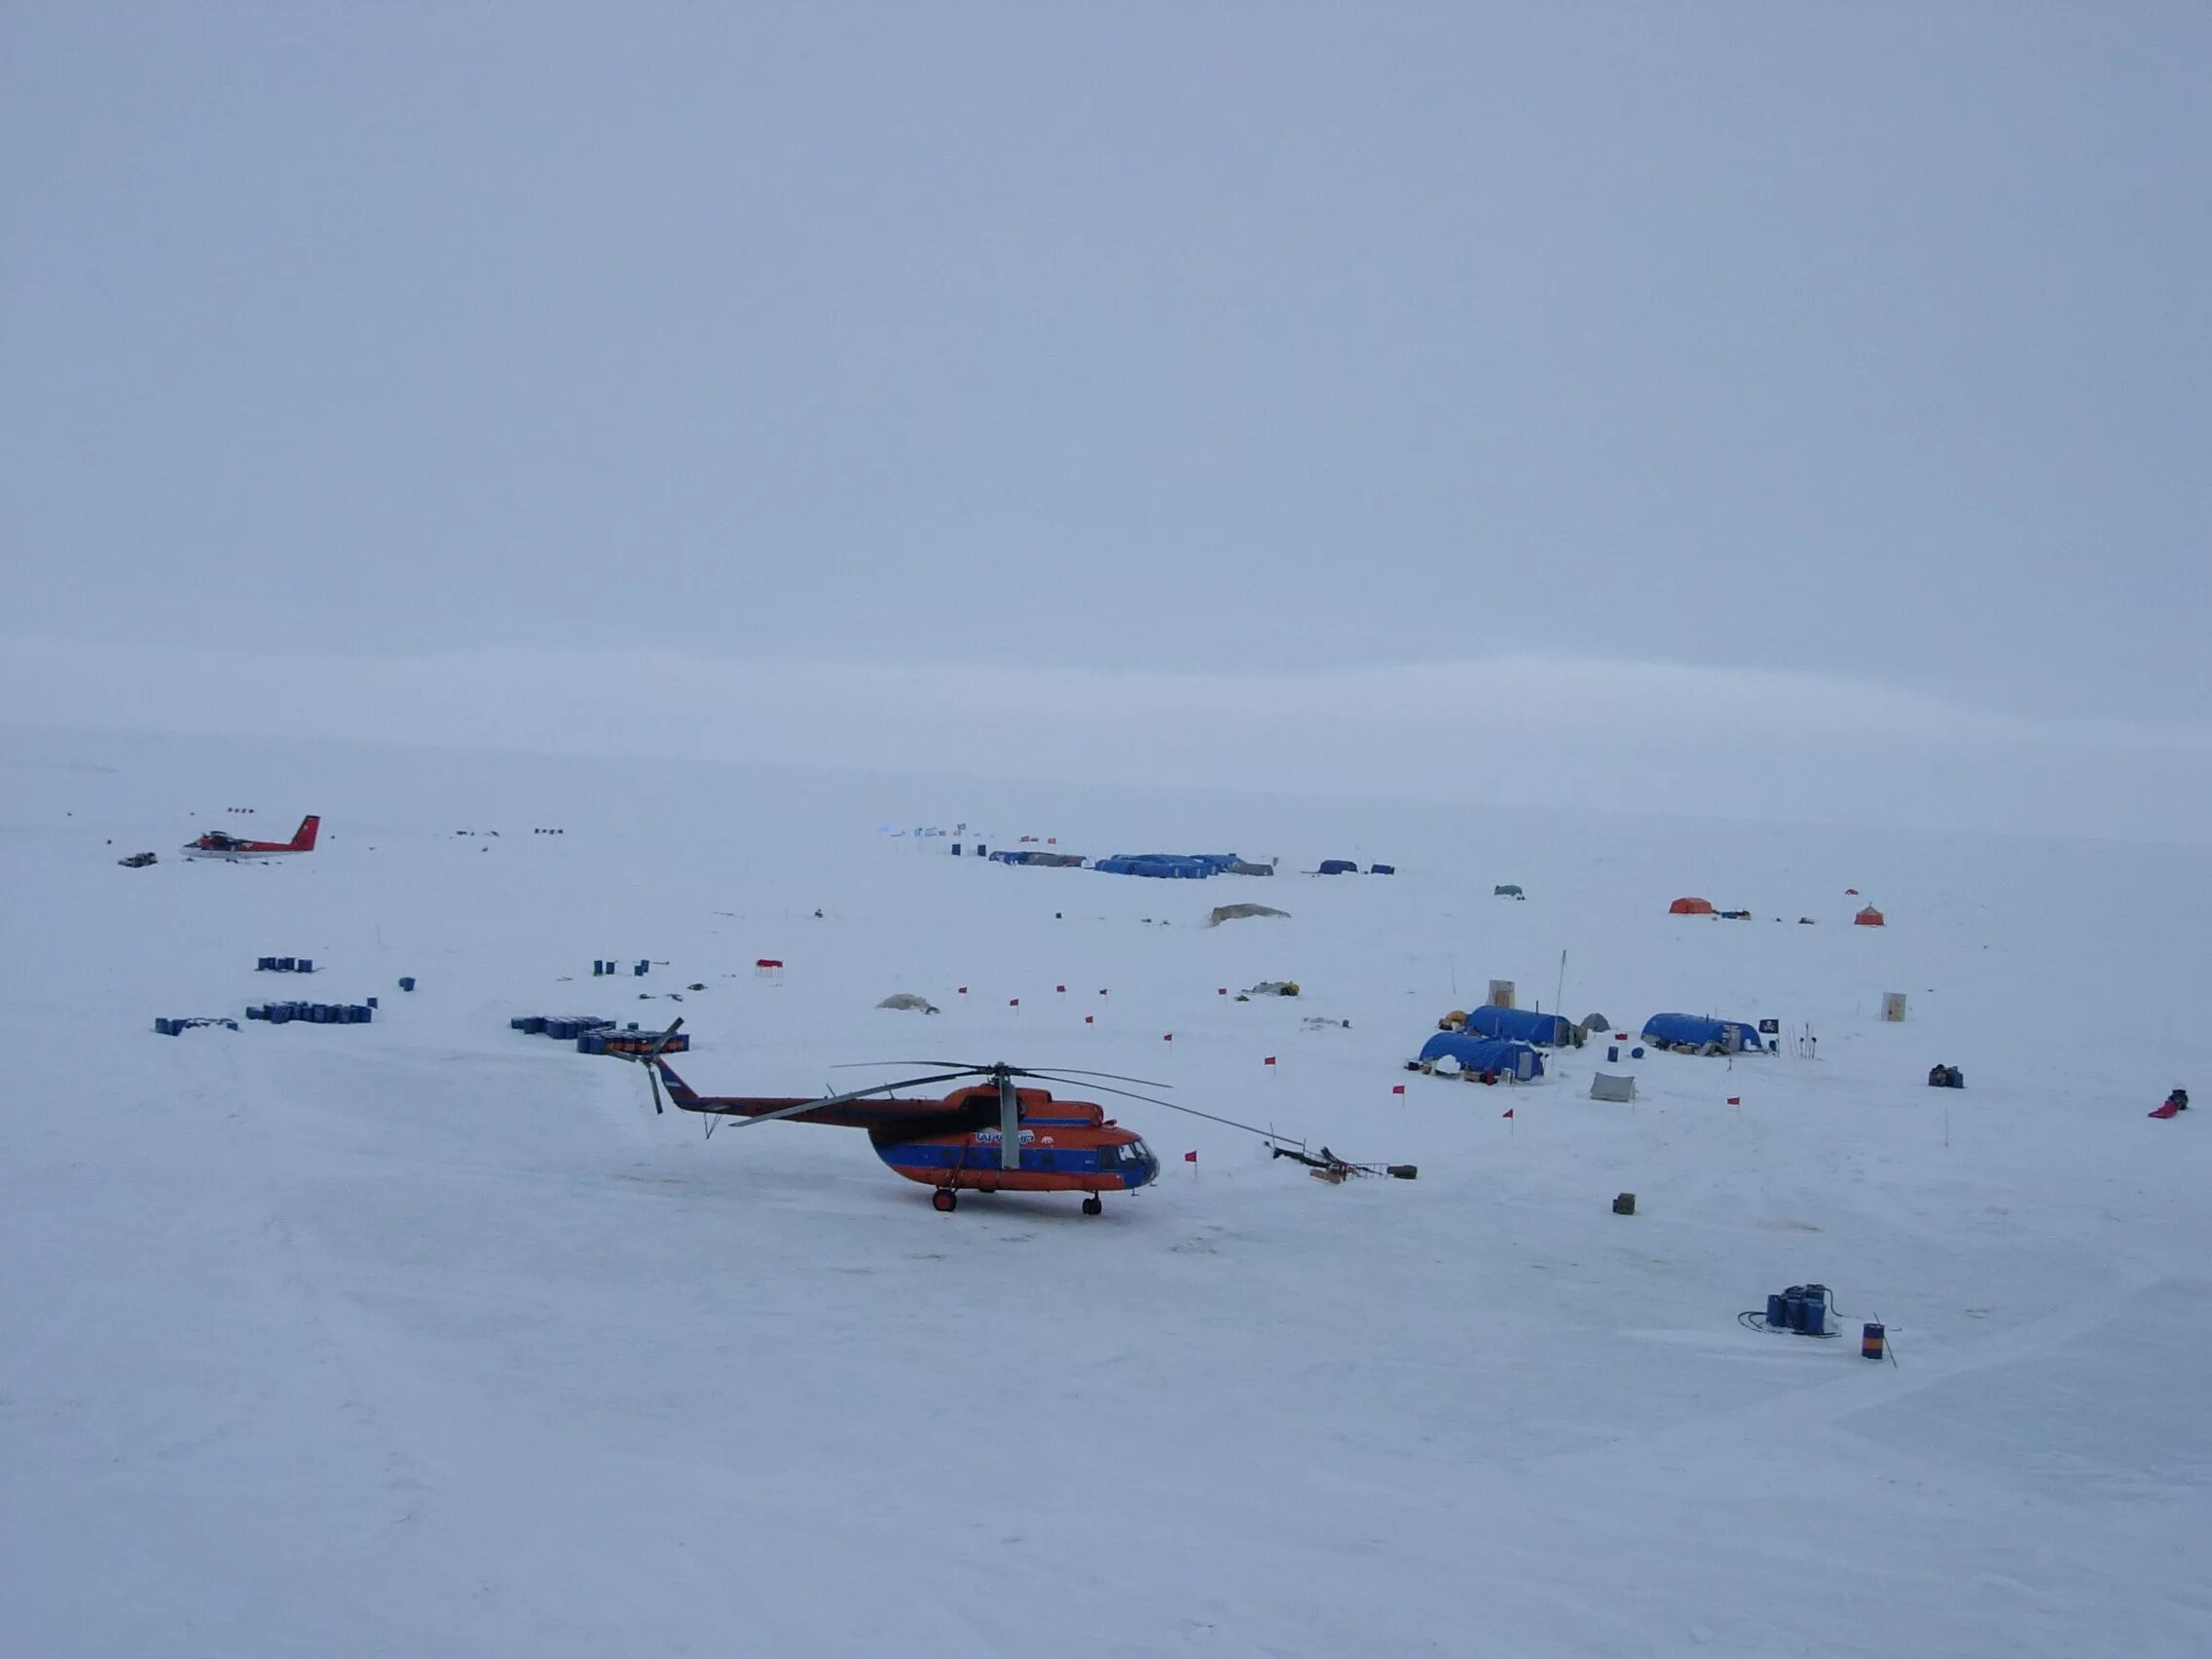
1070	1070
744	1119
1187	1111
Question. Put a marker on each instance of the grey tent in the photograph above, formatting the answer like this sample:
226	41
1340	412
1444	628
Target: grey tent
1603	1085
907	999
1597	1022
1507	891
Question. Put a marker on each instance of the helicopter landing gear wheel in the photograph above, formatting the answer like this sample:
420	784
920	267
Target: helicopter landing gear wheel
944	1200
1093	1205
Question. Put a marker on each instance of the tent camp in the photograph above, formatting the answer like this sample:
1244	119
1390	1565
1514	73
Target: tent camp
1869	918
1603	1085
1522	1025
1695	1034
1510	890
1337	866
1690	907
1475	1055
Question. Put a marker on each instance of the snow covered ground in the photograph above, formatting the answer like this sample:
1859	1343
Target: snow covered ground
427	1338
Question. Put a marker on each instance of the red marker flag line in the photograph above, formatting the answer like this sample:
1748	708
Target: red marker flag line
1190	1158
1089	1020
1013	1002
1268	1061
1735	1099
1397	1089
963	990
1062	989
1168	1036
1507	1112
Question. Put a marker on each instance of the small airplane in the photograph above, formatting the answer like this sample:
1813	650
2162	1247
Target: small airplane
217	845
992	1136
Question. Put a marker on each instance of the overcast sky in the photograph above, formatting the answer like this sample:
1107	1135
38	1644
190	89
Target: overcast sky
1776	373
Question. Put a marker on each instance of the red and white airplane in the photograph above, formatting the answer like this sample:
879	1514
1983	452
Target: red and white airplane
217	845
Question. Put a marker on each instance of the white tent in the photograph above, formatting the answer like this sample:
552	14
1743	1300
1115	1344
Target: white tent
1603	1085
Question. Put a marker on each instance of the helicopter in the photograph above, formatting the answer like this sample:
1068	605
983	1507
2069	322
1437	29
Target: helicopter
992	1136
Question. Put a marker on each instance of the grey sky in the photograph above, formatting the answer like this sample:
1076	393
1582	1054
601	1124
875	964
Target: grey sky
1867	343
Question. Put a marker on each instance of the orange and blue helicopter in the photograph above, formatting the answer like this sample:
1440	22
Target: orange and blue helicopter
993	1135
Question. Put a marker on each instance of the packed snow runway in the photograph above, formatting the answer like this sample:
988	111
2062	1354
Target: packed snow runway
427	1337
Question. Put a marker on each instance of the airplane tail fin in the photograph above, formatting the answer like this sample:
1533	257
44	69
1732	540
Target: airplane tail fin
679	1090
303	839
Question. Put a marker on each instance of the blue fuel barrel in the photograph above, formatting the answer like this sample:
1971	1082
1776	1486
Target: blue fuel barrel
283	964
264	964
1612	1053
597	966
1815	1314
278	1013
166	1027
372	1001
407	983
1636	1054
1777	1311
368	1012
307	964
1793	1312
1870	1340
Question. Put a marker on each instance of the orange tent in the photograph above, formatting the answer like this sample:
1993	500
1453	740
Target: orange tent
1690	907
1869	918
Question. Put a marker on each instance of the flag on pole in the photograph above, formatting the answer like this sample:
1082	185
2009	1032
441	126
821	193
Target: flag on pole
1268	1061
1508	1111
1221	990
1089	1020
963	990
1735	1099
1013	1002
1190	1158
1397	1089
1062	989
1168	1036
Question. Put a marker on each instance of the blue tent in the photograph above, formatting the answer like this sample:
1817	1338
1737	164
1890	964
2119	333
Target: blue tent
1695	1031
1187	867
1483	1054
1521	1024
1337	866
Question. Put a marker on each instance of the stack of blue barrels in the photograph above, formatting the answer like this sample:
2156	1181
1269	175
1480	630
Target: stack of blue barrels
1802	1309
564	1027
314	1013
285	964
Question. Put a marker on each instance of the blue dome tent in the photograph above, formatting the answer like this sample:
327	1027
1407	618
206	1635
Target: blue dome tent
1697	1033
1495	1054
1522	1024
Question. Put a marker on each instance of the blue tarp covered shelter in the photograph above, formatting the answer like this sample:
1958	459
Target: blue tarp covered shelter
1188	866
1520	1023
1696	1031
1337	866
1495	1054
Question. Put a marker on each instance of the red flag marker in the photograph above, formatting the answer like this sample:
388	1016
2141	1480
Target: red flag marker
1062	989
1087	1021
1102	992
1221	990
1735	1099
1268	1061
1508	1111
1397	1089
963	990
1168	1037
1190	1158
1013	1002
